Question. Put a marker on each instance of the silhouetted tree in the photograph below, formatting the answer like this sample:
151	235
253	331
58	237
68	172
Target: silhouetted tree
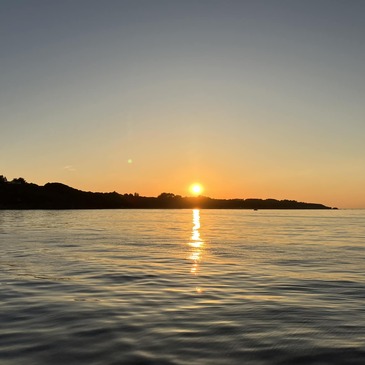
3	179
18	180
166	196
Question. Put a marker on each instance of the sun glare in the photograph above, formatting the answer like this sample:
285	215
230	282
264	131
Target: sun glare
196	189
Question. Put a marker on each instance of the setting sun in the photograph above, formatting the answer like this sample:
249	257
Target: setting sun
196	189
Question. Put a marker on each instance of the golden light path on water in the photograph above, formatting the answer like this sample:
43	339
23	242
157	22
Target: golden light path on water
196	244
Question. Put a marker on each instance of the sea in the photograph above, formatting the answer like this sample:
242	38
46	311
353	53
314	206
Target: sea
182	287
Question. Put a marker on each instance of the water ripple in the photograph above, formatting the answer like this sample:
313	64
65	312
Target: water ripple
182	287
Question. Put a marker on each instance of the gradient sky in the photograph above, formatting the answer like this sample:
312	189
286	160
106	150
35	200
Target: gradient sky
254	99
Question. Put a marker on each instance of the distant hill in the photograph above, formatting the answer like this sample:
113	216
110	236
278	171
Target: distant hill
18	194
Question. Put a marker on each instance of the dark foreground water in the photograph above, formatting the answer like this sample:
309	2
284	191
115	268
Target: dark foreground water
182	287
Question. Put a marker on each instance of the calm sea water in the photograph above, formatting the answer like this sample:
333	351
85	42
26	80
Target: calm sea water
182	287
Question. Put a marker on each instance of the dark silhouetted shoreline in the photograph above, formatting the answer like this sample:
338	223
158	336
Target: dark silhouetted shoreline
18	194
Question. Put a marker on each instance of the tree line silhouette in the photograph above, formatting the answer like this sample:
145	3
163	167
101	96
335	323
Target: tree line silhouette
19	194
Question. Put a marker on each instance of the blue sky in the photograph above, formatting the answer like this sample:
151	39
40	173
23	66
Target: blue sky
250	98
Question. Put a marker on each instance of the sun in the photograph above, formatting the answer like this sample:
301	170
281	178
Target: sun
196	188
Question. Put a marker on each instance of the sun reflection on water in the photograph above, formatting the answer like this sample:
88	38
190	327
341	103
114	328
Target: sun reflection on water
196	244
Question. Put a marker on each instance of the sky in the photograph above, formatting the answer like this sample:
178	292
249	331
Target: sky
252	99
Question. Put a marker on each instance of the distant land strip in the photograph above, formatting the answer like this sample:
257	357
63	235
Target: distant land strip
19	194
